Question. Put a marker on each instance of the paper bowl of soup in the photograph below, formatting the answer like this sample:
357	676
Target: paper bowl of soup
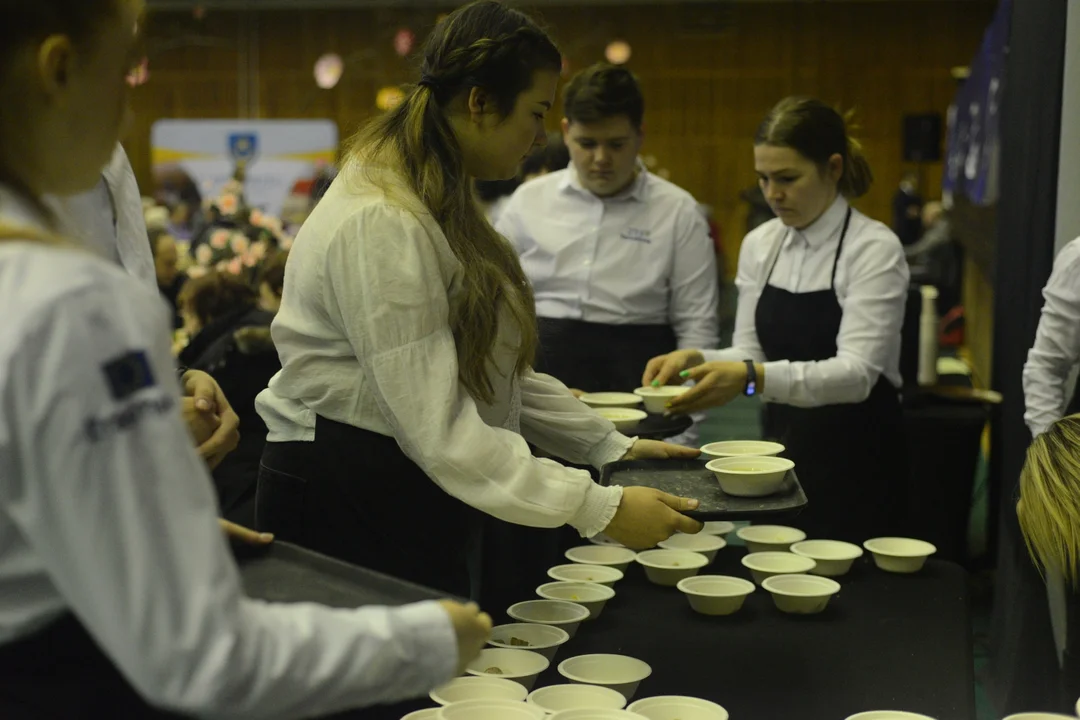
657	398
521	666
750	476
611	400
742	448
622	418
535	637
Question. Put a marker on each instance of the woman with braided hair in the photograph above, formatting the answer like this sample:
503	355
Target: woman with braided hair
406	402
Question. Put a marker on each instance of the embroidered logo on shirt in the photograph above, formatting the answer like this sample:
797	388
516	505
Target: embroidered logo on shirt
128	374
637	235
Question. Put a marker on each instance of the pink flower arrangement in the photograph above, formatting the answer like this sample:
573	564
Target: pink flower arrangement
235	266
258	250
257	218
239	243
219	239
228	204
286	242
196	271
204	254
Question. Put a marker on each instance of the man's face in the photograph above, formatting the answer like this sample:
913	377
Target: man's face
604	153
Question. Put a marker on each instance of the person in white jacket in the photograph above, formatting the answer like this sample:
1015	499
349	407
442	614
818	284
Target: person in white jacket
406	401
118	594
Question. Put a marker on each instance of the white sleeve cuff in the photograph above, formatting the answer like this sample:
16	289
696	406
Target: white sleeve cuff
598	509
430	640
610	449
777	381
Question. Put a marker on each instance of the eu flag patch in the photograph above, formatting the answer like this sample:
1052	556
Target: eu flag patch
128	374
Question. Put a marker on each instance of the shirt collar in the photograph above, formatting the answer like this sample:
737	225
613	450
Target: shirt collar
826	227
637	190
17	210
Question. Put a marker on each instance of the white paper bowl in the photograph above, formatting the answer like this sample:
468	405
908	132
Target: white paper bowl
716	594
556	698
764	565
521	666
737	448
609	555
899	555
678	707
707	545
577	572
611	400
720	528
801	594
543	639
590	714
589	595
623	418
750	476
657	398
888	715
770	538
668	567
618	672
558	613
425	714
462	689
834	558
1039	716
490	710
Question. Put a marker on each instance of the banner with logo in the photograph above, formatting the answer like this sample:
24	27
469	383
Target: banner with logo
971	165
281	158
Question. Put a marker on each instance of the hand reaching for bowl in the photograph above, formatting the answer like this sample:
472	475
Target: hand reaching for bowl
665	369
659	450
715	384
472	628
647	516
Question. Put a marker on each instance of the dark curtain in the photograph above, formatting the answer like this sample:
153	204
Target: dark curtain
1024	668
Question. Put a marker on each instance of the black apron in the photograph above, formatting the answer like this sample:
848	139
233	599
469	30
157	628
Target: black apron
354	495
59	673
850	458
596	357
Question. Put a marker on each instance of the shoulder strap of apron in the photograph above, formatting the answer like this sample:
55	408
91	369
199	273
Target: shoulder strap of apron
839	247
774	254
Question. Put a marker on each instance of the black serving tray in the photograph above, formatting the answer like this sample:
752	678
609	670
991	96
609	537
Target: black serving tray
282	572
659	427
689	478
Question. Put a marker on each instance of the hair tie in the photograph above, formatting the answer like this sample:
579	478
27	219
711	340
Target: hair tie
429	82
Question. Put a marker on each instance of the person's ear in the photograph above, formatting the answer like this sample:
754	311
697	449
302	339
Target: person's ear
479	103
834	168
54	60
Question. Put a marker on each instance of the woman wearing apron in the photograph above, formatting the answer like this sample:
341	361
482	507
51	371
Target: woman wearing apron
118	594
406	400
822	290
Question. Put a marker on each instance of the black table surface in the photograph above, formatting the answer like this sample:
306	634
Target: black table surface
886	641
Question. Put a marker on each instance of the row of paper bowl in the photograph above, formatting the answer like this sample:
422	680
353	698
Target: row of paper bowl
470	698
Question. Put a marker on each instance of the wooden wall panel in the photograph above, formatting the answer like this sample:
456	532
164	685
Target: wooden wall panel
710	73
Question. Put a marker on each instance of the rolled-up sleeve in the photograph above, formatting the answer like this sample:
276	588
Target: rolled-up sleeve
388	286
1056	350
120	512
695	294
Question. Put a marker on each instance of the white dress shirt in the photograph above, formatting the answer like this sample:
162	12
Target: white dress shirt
871	285
109	219
365	339
1057	344
107	512
641	257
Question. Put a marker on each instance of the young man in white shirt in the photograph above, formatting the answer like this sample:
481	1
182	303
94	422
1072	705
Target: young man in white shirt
620	260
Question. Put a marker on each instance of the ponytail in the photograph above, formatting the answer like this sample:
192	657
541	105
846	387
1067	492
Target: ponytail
857	177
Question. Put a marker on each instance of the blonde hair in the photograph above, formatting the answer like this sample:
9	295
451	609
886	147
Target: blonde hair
817	132
1049	504
490	46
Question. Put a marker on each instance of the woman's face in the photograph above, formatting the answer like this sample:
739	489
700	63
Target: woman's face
82	95
494	145
796	188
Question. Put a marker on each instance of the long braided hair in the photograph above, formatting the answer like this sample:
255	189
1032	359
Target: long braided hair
486	45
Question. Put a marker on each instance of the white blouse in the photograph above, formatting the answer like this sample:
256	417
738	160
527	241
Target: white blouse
1057	344
364	338
872	280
